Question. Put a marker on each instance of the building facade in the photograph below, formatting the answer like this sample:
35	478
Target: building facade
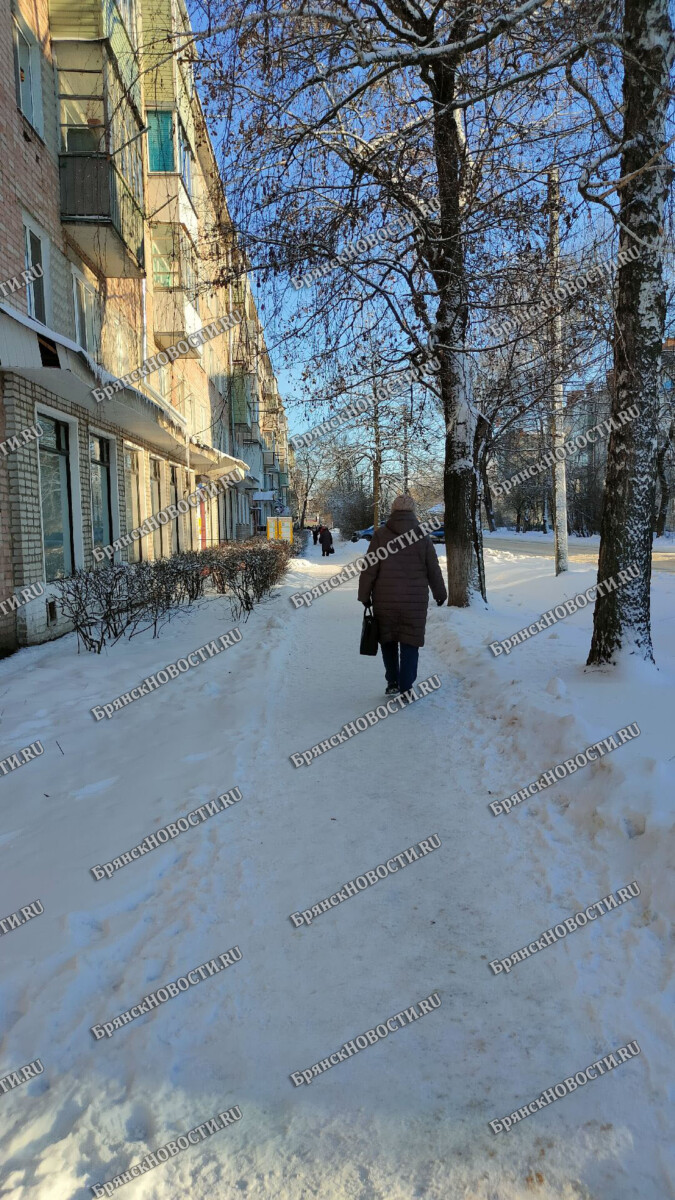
115	245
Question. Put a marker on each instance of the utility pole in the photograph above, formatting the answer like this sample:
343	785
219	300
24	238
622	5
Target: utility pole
377	460
405	441
555	364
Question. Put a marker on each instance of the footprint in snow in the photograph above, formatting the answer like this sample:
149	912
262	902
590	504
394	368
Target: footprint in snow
92	789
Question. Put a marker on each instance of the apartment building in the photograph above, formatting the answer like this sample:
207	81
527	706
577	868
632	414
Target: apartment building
116	244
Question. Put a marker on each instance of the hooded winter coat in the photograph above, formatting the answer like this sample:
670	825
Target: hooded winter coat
326	538
398	587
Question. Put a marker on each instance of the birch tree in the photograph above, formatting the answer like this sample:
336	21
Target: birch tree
622	616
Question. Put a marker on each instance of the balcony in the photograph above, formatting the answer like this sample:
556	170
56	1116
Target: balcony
254	435
241	404
173	318
168	202
104	220
272	401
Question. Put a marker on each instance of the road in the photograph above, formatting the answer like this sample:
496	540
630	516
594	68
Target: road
662	560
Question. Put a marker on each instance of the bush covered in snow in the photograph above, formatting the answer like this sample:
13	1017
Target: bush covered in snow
247	571
127	598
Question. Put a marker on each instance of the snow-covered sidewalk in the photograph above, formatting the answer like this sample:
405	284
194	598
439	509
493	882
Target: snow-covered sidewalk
406	1118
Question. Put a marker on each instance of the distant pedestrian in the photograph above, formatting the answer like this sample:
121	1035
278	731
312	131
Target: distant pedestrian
315	533
398	589
326	539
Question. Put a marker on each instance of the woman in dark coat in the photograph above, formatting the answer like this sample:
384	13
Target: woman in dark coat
326	539
315	533
398	588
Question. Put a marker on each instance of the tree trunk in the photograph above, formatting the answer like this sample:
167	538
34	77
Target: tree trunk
621	620
463	545
557	405
664	487
487	499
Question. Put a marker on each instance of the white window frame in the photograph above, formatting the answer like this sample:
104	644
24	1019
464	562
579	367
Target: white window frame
31	226
19	26
78	277
57	414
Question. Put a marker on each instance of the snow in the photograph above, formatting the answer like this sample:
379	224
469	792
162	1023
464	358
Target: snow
407	1117
535	535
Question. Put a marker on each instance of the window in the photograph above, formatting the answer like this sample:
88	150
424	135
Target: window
101	509
174	261
36	289
173	499
81	105
57	525
165	257
156	501
87	321
27	74
185	159
160	140
132	489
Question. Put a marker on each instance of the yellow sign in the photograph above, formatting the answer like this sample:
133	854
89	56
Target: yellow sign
280	529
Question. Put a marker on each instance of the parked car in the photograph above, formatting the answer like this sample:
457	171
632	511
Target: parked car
363	533
438	536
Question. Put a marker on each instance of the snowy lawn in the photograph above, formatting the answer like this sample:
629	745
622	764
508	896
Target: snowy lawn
408	1117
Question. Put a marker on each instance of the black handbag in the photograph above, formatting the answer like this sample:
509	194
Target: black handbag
369	641
332	550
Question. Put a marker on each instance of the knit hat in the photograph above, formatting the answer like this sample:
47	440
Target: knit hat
403	503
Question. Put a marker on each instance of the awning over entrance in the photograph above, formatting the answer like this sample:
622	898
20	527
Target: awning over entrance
145	417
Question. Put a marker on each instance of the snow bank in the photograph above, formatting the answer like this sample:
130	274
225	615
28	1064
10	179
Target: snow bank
408	1117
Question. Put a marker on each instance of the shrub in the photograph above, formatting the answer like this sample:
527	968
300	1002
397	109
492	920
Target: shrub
99	603
128	598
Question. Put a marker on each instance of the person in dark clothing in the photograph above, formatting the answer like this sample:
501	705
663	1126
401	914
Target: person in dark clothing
315	533
398	588
326	539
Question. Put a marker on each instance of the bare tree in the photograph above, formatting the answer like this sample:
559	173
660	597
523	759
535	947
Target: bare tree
308	464
354	115
622	616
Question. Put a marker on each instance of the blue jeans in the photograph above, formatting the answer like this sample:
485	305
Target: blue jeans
404	674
